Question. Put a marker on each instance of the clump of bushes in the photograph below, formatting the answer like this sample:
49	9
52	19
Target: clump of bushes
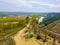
38	36
31	35
8	41
51	35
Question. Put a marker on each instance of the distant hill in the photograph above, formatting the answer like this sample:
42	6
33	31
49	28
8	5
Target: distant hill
37	15
4	15
23	13
51	17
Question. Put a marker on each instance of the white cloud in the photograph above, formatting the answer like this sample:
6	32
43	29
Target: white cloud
18	2
57	0
46	4
32	4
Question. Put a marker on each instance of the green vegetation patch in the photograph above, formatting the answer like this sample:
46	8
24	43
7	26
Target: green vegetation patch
8	41
10	26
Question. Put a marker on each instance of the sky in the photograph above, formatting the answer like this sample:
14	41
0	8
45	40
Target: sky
30	5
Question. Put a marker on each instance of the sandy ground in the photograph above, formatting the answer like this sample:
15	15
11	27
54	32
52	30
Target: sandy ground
19	40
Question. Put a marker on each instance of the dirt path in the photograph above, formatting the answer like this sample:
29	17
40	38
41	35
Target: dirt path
21	41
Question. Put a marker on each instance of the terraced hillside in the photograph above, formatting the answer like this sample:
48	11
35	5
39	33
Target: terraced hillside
55	26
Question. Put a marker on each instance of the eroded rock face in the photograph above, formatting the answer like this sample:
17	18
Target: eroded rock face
41	19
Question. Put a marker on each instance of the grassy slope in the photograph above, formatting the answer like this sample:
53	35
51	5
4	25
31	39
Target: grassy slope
9	27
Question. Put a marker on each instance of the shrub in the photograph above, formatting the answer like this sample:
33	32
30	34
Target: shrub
10	41
38	36
31	35
51	35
